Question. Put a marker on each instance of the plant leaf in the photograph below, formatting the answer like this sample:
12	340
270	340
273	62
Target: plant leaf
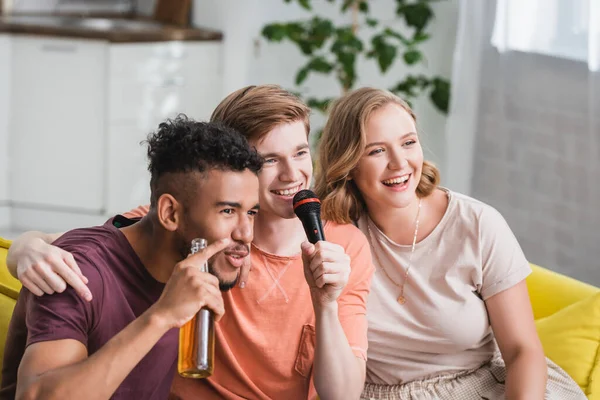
302	75
420	37
384	52
412	57
416	15
274	32
440	95
371	22
320	64
347	4
305	4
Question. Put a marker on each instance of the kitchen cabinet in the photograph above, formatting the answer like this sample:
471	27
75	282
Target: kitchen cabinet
149	83
80	110
57	123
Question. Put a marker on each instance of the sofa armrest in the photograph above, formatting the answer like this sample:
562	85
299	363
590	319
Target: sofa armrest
550	291
9	286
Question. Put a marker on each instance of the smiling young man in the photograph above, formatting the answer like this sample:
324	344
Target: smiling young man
122	344
298	328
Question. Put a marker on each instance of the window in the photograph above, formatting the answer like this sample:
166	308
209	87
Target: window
561	28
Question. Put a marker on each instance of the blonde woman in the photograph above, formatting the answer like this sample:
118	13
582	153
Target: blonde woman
449	289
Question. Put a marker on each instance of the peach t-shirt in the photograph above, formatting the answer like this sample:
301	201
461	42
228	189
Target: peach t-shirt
266	340
443	327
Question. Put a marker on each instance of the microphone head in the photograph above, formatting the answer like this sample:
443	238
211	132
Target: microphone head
306	202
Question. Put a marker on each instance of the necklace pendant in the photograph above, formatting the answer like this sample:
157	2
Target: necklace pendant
401	299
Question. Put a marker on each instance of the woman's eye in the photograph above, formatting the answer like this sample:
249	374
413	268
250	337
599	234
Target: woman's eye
376	151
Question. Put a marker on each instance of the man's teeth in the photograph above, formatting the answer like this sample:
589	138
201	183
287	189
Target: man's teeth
287	192
396	181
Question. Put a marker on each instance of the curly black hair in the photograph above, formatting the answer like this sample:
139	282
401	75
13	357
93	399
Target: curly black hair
182	145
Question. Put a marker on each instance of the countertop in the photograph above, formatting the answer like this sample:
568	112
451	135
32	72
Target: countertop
110	28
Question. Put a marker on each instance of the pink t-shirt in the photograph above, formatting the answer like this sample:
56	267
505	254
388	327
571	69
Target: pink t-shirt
265	343
443	327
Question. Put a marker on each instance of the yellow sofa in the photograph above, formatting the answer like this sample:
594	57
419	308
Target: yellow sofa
555	299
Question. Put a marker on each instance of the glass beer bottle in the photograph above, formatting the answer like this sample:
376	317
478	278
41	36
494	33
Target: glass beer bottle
197	337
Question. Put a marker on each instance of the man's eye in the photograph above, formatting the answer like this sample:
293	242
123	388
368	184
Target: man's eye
228	211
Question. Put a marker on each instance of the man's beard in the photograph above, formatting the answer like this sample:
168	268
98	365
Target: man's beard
224	286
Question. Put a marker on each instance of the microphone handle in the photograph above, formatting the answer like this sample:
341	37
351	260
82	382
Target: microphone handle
313	226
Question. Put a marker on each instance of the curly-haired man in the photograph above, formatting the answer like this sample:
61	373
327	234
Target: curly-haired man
122	344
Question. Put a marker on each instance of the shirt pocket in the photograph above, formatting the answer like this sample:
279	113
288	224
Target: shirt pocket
306	351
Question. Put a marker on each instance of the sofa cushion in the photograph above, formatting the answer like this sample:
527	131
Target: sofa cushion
571	338
9	286
7	304
551	291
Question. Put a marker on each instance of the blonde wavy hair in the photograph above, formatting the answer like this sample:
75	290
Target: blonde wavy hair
343	144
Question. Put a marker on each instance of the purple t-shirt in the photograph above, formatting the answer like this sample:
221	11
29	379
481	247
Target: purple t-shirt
122	290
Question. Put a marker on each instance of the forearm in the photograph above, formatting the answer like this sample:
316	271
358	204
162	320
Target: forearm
526	375
98	376
338	373
20	244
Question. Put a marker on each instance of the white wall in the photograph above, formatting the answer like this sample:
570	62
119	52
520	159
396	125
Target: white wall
249	59
4	110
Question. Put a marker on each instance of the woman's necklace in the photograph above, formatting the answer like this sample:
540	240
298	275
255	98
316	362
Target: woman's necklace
401	298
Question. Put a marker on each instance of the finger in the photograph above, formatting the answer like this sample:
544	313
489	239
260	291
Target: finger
74	280
329	279
39	282
214	302
198	279
331	254
31	286
70	261
209	251
308	251
53	280
326	268
245	272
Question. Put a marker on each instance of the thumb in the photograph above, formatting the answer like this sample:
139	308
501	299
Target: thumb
308	249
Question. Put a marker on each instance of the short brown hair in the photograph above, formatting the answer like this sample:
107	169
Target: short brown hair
255	110
343	144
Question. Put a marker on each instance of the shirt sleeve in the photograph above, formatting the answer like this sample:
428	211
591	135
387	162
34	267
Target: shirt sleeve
503	262
64	315
353	300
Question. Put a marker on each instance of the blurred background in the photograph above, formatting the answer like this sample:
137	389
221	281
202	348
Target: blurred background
507	95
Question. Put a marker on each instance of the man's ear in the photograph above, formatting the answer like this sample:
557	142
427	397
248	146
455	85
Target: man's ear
168	211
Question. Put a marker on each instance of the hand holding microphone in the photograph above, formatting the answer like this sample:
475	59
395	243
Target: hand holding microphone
326	265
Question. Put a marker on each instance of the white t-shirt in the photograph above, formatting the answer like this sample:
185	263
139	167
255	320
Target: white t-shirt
443	327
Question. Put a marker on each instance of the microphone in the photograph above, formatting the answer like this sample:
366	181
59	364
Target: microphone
307	207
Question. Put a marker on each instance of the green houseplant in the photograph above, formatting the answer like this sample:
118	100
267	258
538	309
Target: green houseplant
332	49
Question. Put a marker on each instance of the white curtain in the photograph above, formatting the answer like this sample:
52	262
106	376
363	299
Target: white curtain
524	126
